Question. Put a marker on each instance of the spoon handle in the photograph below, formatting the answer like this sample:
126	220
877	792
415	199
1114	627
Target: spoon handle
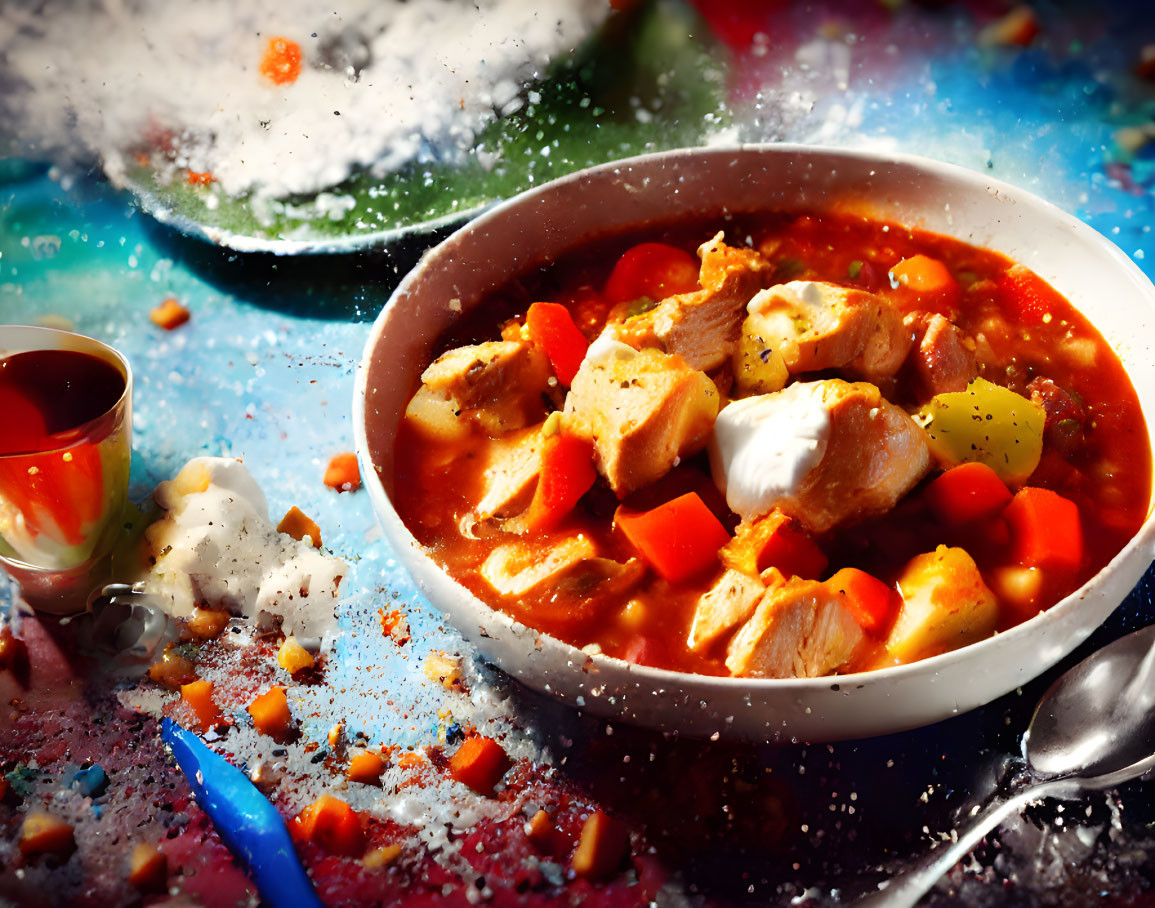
905	890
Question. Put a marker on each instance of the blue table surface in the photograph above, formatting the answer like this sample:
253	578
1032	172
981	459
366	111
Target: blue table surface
264	369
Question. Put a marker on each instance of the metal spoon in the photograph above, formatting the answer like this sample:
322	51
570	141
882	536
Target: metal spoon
1094	728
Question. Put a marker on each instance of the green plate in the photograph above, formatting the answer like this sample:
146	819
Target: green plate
646	82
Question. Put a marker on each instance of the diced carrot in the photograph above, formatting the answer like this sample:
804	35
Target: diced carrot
198	178
872	602
206	623
443	668
601	848
199	695
148	868
281	63
270	712
567	473
293	657
411	760
169	314
653	271
381	857
1046	531
173	670
298	525
45	833
551	327
1029	298
930	280
679	539
332	824
540	828
365	767
966	493
775	541
479	763
342	473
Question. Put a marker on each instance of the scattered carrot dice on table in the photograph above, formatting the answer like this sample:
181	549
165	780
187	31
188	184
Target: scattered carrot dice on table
601	848
443	668
173	669
207	624
169	314
365	767
148	868
299	525
270	712
45	833
332	824
479	763
293	657
539	828
381	857
199	695
342	473
198	177
281	63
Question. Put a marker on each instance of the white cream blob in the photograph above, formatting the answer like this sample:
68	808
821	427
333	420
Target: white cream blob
812	295
763	447
606	348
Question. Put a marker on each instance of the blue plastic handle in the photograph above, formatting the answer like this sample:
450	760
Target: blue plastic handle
245	820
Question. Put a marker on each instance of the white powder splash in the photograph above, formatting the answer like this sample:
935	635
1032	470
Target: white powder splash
381	82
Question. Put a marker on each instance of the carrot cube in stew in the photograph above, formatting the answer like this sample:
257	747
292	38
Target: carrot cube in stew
332	824
479	763
930	280
1046	531
871	602
601	848
966	493
551	327
270	712
679	539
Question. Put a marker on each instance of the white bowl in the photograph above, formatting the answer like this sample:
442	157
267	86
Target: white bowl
535	226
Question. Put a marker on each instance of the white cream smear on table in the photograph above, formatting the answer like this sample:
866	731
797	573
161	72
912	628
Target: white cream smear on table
215	547
763	447
382	82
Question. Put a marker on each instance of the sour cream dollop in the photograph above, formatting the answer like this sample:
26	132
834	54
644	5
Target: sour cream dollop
763	447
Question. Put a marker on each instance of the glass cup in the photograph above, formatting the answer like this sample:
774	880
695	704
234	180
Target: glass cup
63	487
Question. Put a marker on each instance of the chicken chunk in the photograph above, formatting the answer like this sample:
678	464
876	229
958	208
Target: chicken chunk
702	326
512	466
825	453
641	409
800	629
815	325
571	564
500	385
945	605
942	361
723	607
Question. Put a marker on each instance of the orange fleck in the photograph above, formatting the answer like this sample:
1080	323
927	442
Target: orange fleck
394	625
342	473
198	178
298	525
281	63
169	314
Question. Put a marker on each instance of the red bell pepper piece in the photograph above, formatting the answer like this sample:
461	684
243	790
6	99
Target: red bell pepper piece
788	548
652	270
871	601
966	493
679	539
567	472
551	327
645	651
1027	296
1045	530
933	285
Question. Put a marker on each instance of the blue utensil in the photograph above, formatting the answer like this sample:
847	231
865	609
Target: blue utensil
245	820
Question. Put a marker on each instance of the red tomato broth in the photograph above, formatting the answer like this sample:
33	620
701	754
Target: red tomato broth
1107	473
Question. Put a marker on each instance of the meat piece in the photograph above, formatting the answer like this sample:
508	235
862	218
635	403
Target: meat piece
570	565
942	360
500	385
815	325
641	409
723	607
800	629
825	453
702	326
512	465
945	605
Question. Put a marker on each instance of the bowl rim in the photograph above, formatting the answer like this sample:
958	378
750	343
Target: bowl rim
1143	539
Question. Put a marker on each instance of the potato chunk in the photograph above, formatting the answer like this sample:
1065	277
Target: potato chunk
800	629
500	385
816	325
723	607
641	409
945	605
702	326
512	465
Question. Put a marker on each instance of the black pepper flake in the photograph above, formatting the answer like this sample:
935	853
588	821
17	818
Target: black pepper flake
320	755
336	113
